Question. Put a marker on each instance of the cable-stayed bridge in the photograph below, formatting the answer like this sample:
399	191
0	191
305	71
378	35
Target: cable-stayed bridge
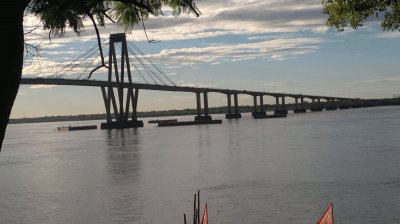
120	91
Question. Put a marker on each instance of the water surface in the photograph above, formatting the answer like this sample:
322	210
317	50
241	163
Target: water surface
248	171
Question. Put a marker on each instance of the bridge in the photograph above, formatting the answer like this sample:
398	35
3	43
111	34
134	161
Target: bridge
121	107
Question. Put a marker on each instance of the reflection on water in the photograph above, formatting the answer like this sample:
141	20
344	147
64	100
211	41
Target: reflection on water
123	156
249	171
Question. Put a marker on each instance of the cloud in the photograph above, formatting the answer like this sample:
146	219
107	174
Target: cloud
182	97
231	17
42	86
277	49
268	27
216	63
218	18
70	64
279	83
383	80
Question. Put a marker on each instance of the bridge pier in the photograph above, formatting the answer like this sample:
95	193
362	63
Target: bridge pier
280	110
199	116
258	111
236	113
301	108
344	105
121	108
331	105
356	103
316	106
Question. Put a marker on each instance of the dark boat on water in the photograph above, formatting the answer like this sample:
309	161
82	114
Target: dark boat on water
163	121
77	128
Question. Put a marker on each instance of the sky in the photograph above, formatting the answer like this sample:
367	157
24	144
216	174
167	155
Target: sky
260	45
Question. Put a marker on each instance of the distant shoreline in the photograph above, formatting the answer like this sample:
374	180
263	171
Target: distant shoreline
183	112
164	113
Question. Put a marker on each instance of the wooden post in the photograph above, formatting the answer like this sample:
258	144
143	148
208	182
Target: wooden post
194	210
198	207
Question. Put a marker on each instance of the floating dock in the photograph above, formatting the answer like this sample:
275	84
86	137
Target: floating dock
77	128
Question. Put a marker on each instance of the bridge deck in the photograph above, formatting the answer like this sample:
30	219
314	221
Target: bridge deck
98	83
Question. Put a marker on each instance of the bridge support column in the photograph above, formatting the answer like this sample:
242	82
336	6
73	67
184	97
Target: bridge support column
236	113
205	97
254	105
331	105
106	103
116	74
301	108
316	106
344	105
229	104
259	113
198	101
206	117
356	103
280	109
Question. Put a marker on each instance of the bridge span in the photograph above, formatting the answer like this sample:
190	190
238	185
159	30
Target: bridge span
98	83
121	107
331	103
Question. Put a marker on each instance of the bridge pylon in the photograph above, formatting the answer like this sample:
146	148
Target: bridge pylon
120	110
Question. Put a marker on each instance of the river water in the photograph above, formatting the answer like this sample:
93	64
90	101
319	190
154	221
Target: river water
284	170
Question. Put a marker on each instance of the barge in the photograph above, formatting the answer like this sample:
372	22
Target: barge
77	128
162	121
183	123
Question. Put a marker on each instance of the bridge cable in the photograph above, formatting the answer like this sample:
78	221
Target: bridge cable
140	74
149	71
86	68
156	67
59	75
73	66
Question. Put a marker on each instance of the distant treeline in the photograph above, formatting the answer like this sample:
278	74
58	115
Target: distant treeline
212	110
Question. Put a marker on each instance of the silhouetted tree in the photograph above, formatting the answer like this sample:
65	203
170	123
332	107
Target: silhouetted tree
57	15
353	13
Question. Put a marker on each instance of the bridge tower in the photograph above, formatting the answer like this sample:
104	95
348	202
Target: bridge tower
118	107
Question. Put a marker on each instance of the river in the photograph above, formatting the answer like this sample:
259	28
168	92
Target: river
284	170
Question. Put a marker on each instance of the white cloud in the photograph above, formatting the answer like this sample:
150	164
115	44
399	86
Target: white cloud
270	28
218	18
42	86
382	80
182	97
279	83
277	49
